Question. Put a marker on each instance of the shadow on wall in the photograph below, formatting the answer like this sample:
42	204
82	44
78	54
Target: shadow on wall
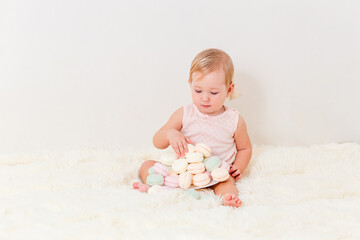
251	102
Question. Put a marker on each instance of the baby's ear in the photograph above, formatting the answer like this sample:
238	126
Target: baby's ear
230	89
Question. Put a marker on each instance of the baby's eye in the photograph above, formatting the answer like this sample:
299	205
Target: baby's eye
197	91
214	93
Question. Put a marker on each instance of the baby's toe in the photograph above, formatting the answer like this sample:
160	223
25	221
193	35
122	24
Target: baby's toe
228	197
143	188
238	202
135	185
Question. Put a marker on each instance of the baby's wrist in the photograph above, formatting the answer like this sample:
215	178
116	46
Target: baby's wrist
170	132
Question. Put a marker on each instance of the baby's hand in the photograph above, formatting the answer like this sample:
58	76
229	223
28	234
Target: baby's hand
235	172
178	142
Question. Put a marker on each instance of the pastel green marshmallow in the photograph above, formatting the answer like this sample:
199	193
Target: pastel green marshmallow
151	171
212	163
155	179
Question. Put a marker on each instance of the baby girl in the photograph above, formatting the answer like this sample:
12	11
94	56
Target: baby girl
207	120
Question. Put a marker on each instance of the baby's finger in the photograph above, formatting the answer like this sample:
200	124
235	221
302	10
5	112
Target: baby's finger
176	148
236	173
185	147
188	140
181	149
233	169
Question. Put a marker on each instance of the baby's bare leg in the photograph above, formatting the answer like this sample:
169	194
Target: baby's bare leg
226	187
228	191
143	174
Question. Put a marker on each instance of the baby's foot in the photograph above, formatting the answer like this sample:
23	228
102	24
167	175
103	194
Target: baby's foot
231	200
141	186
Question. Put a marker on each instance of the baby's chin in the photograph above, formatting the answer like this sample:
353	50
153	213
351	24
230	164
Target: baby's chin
210	111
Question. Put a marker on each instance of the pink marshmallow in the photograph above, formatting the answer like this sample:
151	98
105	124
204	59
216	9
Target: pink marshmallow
172	181
209	174
161	169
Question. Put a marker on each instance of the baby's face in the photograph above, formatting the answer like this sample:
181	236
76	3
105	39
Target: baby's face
209	91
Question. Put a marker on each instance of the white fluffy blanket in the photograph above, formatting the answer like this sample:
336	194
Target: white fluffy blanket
287	193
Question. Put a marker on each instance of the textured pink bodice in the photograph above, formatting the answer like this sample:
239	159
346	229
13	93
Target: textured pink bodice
215	131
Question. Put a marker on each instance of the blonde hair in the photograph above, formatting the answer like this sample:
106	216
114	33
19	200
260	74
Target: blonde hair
210	60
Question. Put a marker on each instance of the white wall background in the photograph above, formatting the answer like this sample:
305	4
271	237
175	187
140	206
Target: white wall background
76	73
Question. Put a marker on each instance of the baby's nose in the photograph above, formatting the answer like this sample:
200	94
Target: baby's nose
205	97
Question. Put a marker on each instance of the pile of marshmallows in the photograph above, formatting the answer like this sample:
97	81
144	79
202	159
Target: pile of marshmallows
197	168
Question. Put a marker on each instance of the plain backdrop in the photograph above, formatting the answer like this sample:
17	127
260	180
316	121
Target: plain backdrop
76	73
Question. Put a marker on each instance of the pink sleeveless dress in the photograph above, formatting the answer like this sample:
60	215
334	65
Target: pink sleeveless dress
215	131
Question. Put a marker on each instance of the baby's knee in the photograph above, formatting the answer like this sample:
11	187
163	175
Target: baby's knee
148	163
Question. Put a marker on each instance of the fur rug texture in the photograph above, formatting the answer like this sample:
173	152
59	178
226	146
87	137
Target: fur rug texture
287	192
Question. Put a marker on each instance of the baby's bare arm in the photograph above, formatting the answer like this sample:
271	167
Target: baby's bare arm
244	149
170	134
